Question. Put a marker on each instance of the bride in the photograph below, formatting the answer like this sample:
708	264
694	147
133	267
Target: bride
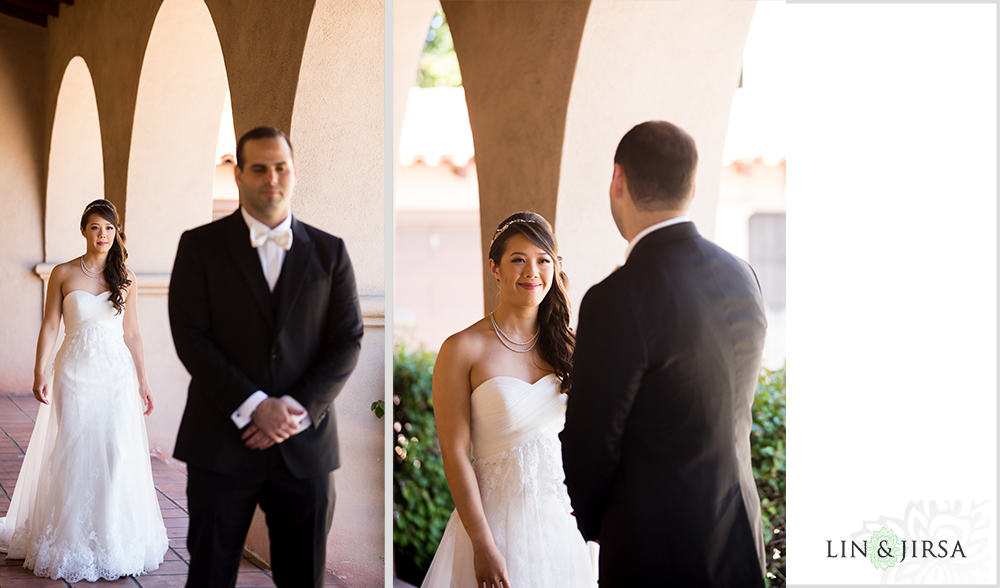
500	386
84	506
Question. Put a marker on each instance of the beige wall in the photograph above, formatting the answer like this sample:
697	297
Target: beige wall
23	170
338	131
680	61
75	171
430	244
182	88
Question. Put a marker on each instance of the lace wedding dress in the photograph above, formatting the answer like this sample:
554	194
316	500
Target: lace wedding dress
84	506
518	464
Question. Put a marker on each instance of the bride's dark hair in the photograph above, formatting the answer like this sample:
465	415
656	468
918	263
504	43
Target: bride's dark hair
555	339
114	273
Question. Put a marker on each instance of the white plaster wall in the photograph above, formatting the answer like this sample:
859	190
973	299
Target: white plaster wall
76	164
21	168
171	172
679	61
338	130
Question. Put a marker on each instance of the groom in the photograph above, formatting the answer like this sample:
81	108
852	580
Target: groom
265	316
656	447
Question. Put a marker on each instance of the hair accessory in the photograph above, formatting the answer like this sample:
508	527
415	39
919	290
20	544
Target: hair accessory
509	223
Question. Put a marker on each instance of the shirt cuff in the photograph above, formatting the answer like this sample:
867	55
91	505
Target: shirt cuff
241	417
303	419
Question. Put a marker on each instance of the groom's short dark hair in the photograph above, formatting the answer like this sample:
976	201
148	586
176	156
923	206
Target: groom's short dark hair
659	160
261	133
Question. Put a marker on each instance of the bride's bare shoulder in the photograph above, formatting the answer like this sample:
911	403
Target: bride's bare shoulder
66	267
469	343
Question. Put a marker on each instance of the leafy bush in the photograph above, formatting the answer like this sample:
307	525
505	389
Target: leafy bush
421	501
767	452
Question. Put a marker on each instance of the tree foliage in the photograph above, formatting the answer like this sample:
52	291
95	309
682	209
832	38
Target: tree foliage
438	62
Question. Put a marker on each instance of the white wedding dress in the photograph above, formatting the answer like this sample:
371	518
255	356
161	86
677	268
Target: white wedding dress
84	506
518	464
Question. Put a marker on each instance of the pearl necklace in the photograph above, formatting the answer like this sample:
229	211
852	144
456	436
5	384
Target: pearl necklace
88	272
504	338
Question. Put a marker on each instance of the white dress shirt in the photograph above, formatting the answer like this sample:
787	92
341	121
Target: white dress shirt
271	259
271	255
670	221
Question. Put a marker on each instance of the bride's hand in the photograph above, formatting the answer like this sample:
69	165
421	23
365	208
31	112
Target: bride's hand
41	389
491	569
147	399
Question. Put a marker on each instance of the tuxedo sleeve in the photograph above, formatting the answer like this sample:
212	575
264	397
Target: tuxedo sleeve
608	366
341	344
190	325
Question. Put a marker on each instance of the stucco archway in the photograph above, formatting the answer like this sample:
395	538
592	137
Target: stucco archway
182	89
76	165
680	62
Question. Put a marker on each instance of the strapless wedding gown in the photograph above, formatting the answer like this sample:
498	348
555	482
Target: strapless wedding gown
518	464
84	506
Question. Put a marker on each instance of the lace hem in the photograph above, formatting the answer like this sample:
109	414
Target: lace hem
86	559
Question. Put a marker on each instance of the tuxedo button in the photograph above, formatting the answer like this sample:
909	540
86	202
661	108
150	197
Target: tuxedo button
274	357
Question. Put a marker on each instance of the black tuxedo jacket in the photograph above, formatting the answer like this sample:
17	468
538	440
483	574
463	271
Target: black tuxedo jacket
656	446
236	337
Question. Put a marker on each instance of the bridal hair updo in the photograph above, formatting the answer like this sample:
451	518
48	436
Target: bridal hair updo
114	273
555	339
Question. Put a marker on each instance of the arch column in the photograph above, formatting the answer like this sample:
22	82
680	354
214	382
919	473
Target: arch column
263	44
679	61
517	61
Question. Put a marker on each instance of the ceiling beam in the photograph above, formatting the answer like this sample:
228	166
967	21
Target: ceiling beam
23	13
49	7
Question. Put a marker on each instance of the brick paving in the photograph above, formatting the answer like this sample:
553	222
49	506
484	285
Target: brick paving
17	418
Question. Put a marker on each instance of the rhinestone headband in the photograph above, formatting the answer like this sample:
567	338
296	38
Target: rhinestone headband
97	204
508	224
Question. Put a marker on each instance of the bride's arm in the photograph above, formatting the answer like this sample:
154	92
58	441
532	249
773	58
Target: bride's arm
452	392
48	333
133	340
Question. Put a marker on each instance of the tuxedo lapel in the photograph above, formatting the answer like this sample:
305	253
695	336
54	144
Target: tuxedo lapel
247	260
293	272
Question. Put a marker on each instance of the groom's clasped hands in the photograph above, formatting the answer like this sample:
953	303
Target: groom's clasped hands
272	422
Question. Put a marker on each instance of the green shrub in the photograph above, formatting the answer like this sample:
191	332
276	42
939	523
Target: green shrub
767	451
421	501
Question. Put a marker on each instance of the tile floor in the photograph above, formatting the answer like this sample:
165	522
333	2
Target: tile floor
17	417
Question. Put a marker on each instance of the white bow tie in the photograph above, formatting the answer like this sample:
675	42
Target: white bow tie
281	237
